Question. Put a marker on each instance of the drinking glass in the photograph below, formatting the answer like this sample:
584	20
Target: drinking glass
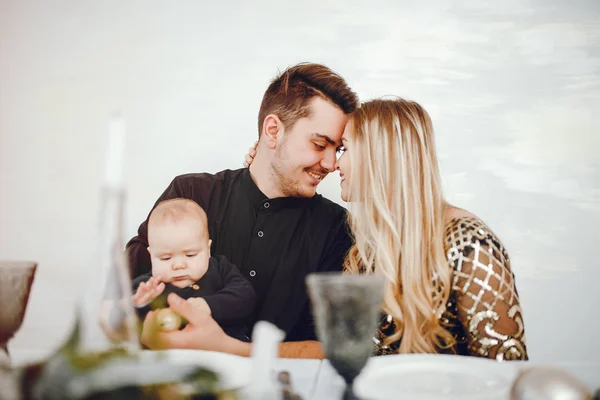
346	310
16	278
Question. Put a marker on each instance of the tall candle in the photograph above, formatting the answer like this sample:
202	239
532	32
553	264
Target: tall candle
113	176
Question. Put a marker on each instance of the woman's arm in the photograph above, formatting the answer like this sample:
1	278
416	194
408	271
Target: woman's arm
487	298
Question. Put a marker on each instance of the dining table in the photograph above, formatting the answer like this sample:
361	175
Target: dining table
318	380
314	379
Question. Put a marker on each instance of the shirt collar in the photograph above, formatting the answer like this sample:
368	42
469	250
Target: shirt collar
261	202
256	196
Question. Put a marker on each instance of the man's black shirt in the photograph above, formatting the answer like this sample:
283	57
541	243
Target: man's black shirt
275	243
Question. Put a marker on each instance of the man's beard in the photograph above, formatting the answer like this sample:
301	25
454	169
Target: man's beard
284	180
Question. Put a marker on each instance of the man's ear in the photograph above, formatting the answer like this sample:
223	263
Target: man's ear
209	244
148	248
272	130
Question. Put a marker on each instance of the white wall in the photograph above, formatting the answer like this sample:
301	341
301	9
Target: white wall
514	91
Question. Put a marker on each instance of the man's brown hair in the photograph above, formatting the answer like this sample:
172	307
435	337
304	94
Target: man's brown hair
289	94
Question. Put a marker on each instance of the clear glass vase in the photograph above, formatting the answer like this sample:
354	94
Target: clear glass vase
105	315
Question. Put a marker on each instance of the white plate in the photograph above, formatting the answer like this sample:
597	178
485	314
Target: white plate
234	371
430	376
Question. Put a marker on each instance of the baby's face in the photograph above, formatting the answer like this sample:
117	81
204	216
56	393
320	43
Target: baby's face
179	251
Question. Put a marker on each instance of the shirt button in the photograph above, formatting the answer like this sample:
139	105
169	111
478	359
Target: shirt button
267	204
252	273
260	234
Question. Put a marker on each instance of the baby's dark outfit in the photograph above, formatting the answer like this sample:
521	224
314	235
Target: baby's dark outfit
229	295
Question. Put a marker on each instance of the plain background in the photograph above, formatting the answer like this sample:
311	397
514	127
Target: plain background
513	89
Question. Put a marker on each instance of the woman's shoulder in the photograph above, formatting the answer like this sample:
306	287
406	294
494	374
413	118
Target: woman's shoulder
468	238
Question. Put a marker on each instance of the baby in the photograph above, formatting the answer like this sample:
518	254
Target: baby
179	247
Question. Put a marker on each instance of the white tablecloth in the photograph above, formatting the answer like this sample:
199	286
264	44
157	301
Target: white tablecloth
317	380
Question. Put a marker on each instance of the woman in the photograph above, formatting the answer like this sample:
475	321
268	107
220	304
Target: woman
449	286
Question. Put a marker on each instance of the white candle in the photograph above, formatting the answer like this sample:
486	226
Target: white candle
114	156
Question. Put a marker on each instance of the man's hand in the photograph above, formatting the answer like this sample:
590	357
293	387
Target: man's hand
201	332
200	304
148	291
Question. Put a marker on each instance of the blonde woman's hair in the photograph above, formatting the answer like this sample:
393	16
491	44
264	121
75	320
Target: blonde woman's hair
397	219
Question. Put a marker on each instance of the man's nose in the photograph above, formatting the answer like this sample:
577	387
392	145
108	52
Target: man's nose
329	161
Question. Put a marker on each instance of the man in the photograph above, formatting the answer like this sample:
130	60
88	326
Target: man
268	219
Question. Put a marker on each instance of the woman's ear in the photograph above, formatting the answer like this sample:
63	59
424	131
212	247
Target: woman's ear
272	128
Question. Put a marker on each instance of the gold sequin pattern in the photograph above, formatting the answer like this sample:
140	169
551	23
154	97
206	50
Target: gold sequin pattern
483	311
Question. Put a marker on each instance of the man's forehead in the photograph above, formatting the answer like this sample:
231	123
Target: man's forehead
326	119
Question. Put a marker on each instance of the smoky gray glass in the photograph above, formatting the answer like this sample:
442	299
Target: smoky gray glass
346	310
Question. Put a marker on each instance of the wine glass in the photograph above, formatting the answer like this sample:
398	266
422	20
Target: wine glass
16	278
346	310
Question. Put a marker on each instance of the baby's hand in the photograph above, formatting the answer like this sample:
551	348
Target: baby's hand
200	303
148	291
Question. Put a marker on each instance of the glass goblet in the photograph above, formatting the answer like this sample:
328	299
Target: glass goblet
346	310
16	278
